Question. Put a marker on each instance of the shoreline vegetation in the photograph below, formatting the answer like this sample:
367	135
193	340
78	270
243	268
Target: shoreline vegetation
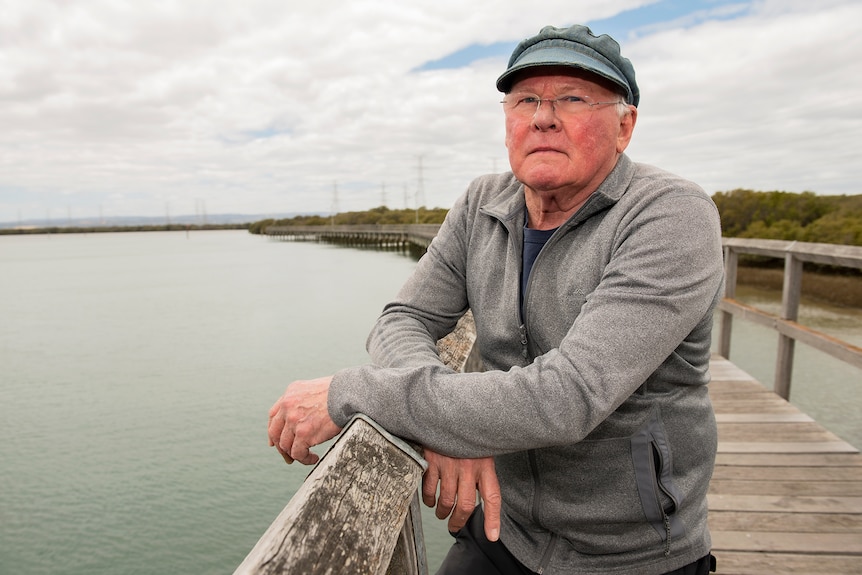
117	228
804	217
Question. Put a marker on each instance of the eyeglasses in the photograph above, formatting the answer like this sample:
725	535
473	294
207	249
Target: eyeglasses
526	105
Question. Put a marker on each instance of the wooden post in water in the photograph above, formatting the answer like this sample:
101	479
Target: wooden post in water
790	296
731	262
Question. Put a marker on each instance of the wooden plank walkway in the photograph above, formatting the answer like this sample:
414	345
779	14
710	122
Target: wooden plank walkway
786	495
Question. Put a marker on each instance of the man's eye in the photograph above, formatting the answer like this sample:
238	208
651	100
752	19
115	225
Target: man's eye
571	99
532	100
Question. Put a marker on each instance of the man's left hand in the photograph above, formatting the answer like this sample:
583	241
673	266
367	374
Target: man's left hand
459	480
299	420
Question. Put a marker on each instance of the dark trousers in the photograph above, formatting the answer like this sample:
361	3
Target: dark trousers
473	554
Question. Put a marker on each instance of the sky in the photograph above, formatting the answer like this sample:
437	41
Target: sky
264	107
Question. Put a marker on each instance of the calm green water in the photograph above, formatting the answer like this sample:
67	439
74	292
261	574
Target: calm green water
136	372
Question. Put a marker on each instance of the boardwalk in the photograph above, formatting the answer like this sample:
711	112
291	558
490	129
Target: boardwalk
786	496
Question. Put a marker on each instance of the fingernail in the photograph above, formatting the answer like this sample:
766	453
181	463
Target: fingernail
495	534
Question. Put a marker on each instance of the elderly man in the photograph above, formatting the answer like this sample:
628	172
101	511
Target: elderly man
593	280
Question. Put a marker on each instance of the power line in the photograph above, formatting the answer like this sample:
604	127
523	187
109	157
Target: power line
334	209
420	189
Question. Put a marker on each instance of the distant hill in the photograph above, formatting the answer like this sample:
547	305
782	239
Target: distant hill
136	221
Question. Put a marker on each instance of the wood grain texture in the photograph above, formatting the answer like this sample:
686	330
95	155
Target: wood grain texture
347	516
786	494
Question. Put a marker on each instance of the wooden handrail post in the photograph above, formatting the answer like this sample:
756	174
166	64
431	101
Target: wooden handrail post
790	296
409	557
731	262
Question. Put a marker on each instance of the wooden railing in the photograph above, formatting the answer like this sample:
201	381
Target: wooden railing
794	254
415	234
358	510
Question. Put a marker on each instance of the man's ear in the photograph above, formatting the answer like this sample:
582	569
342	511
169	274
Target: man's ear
627	127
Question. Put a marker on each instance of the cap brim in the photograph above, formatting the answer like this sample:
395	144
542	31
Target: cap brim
556	56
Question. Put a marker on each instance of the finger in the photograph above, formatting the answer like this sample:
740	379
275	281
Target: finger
310	458
275	423
285	440
284	454
274	428
448	493
464	506
287	458
429	486
489	489
302	453
274	409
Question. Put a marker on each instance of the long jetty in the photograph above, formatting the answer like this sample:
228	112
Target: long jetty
411	237
785	497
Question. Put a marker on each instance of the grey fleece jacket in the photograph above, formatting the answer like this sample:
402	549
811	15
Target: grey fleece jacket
595	407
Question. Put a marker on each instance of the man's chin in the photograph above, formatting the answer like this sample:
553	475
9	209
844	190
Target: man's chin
546	179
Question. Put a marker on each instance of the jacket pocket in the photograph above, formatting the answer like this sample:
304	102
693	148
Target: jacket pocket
653	467
605	495
589	493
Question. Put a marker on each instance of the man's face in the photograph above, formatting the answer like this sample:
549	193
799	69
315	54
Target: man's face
554	151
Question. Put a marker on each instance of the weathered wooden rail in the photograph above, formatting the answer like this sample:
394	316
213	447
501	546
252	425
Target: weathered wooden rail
358	510
350	513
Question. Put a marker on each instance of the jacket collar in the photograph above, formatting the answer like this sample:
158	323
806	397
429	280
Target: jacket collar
509	205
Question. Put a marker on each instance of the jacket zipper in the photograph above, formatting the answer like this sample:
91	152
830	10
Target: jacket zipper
537	504
659	489
667	532
534	469
537	497
546	556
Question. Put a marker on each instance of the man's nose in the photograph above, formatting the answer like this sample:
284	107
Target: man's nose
545	117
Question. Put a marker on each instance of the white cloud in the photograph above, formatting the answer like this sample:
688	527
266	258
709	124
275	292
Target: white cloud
266	106
761	102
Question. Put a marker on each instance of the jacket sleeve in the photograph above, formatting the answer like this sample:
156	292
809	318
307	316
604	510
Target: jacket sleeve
662	281
428	305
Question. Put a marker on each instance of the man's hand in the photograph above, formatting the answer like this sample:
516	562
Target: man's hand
459	480
300	420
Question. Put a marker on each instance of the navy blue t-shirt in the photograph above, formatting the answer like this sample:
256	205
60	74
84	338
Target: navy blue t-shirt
534	241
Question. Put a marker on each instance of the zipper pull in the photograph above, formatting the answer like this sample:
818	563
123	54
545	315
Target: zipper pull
522	329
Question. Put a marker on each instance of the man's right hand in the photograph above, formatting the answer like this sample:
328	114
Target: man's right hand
459	479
